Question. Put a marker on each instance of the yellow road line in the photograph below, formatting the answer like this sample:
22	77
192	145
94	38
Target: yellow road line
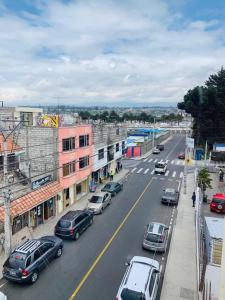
88	273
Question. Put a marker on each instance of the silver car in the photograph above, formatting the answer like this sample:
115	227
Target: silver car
98	202
156	237
170	196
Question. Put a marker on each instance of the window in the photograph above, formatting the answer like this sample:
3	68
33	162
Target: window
69	168
101	154
117	131
117	147
79	219
83	162
67	193
1	163
45	247
152	282
84	140
68	144
37	254
28	262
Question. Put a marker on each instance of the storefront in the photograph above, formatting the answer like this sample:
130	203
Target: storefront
34	208
82	188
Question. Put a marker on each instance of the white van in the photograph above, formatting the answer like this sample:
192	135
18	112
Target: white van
141	280
160	167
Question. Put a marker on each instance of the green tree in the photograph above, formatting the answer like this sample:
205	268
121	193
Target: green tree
204	181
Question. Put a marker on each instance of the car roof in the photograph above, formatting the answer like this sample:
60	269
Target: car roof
100	194
155	227
219	196
138	276
29	246
169	190
70	215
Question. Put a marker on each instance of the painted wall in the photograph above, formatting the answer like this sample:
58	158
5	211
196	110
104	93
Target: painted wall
68	156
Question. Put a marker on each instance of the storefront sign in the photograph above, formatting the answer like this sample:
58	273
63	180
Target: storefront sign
40	182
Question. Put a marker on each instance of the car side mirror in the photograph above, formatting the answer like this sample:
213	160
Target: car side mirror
166	227
127	264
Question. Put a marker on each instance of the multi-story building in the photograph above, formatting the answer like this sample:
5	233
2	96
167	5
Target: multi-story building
109	148
75	149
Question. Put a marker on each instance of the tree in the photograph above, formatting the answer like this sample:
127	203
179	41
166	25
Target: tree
204	181
113	116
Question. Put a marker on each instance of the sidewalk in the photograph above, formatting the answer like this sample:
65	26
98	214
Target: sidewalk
180	279
48	227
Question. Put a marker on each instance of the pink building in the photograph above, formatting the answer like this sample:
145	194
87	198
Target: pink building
75	162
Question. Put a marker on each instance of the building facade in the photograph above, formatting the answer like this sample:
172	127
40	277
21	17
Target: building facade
109	148
75	162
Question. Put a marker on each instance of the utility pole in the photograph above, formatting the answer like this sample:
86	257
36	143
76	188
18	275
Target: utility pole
7	198
205	156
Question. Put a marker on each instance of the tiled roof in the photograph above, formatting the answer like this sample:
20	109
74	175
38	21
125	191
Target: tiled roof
31	200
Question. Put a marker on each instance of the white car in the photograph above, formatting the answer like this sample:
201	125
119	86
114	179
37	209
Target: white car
141	280
160	167
3	296
155	151
98	202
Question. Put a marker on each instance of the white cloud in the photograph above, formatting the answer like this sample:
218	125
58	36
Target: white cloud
105	51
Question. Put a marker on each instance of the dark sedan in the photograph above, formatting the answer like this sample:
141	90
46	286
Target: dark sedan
181	155
170	196
113	188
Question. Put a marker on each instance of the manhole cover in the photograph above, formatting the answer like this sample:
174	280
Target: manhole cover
187	294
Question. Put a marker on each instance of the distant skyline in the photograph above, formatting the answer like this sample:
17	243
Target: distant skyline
112	52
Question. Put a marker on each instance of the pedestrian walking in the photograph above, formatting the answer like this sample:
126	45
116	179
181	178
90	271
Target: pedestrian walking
221	174
193	199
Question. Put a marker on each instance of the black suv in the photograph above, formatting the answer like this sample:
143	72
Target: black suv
26	261
73	223
160	147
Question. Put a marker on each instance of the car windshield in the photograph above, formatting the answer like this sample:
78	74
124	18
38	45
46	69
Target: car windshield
64	223
109	186
155	238
158	165
169	193
131	295
16	260
218	201
96	199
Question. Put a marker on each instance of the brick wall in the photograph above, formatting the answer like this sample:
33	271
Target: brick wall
107	134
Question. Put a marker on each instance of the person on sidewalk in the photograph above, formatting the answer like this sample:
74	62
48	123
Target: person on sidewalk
221	174
193	199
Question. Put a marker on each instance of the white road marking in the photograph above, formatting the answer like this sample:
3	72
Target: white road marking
150	160
174	174
3	284
139	170
170	179
132	171
153	171
167	173
167	161
183	163
146	171
145	159
178	162
172	161
162	258
155	160
181	174
179	186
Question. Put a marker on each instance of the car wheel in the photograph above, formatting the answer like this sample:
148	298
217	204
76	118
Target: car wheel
34	277
76	236
59	252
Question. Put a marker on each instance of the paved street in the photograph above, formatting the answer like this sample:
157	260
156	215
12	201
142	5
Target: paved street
115	235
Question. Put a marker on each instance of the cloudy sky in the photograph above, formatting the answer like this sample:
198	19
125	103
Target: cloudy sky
108	51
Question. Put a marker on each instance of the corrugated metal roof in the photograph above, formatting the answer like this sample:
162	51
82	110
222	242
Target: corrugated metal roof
215	227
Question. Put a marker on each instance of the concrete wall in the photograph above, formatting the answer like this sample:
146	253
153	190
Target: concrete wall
108	134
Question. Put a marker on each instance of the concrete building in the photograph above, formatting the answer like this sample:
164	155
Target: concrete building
75	149
109	148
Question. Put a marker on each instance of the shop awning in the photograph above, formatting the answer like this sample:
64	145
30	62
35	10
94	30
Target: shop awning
31	200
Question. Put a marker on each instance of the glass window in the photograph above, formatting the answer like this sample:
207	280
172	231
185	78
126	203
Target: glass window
37	254
101	154
83	140
152	282
46	246
68	144
96	199
155	238
67	193
83	162
17	260
69	168
28	262
117	147
1	163
64	224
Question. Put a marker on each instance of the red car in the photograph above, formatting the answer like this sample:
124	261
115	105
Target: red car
218	203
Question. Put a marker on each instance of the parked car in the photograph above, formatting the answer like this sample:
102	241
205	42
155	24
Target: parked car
141	280
218	203
27	261
3	296
112	187
181	155
155	237
155	151
160	167
73	223
160	147
170	196
99	202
